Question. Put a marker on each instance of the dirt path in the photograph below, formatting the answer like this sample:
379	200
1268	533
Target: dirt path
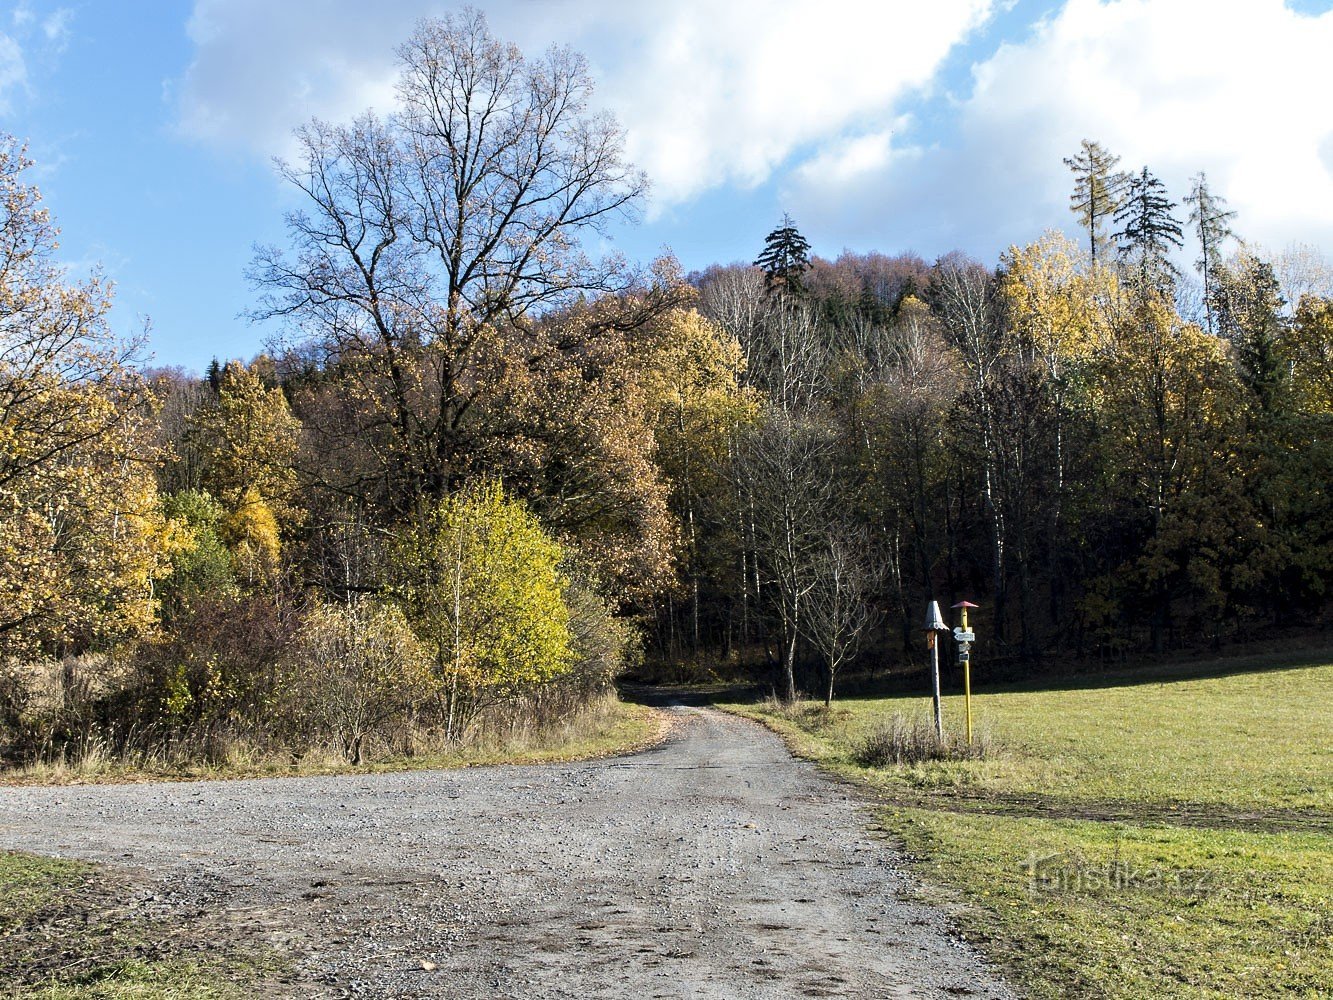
712	866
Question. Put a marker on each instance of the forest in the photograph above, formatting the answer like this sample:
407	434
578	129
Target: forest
484	471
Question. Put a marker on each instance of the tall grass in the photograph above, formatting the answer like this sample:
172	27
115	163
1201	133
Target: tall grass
914	740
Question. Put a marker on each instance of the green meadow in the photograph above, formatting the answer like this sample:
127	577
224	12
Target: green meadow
1163	833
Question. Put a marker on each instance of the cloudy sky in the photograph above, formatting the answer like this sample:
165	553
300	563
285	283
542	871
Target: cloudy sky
878	124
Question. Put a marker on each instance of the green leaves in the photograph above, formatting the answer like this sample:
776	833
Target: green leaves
480	583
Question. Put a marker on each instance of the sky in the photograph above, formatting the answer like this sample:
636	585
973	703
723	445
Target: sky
890	125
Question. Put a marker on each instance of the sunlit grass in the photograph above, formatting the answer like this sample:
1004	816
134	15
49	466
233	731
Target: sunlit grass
1240	740
1151	835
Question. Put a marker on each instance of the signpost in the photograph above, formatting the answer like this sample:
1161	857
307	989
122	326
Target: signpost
964	636
934	625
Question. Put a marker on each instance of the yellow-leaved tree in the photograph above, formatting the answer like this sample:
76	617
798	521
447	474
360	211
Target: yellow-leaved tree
1308	350
1171	407
479	580
82	537
1057	304
247	445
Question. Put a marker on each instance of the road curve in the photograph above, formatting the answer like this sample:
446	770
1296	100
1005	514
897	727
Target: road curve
714	865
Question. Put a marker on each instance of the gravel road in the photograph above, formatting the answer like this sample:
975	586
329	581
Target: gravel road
714	865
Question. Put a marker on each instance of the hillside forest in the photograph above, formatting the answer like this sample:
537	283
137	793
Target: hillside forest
484	470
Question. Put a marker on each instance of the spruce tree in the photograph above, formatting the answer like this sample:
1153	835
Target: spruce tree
1211	222
1248	304
785	257
1098	190
214	374
1148	231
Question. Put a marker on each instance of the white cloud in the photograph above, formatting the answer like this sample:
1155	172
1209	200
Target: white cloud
710	93
846	160
13	70
722	94
36	38
1237	88
56	27
262	68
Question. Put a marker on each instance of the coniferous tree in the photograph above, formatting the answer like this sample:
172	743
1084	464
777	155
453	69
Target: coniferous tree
1248	304
1098	190
1211	221
214	374
785	258
1148	231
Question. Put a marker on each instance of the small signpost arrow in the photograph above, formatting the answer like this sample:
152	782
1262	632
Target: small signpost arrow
964	636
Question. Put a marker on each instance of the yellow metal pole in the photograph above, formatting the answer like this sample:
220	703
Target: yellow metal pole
967	685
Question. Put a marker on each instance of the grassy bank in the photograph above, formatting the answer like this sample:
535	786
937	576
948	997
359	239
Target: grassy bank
607	728
71	930
1143	835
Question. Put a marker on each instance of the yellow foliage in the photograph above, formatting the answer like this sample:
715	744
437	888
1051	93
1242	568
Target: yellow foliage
1057	304
1308	348
251	532
82	539
248	443
480	583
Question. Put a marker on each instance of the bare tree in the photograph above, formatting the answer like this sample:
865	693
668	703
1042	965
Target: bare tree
838	612
964	291
787	356
1302	269
430	239
734	297
788	472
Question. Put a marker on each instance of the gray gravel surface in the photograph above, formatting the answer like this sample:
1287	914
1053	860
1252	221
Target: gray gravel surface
713	865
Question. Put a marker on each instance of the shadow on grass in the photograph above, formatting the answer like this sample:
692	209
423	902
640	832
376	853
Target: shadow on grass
1046	676
1164	671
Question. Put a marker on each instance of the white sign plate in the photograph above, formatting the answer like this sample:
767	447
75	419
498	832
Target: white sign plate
961	636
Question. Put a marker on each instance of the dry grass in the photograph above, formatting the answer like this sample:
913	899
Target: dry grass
914	740
605	727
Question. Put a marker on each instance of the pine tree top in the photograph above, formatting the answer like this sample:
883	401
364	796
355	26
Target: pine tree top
785	257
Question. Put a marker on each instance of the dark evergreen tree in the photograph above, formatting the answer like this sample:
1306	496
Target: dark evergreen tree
1148	231
1098	190
1211	222
1248	304
214	374
785	258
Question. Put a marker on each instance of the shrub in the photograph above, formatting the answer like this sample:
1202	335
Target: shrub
53	708
352	673
480	583
915	741
201	564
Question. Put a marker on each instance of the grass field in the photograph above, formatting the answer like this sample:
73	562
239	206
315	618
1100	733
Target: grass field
69	931
1162	835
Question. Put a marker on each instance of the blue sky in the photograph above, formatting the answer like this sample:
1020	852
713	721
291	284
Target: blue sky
885	125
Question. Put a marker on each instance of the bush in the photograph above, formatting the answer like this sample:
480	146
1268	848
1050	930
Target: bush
914	741
50	708
201	566
479	581
813	716
354	672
